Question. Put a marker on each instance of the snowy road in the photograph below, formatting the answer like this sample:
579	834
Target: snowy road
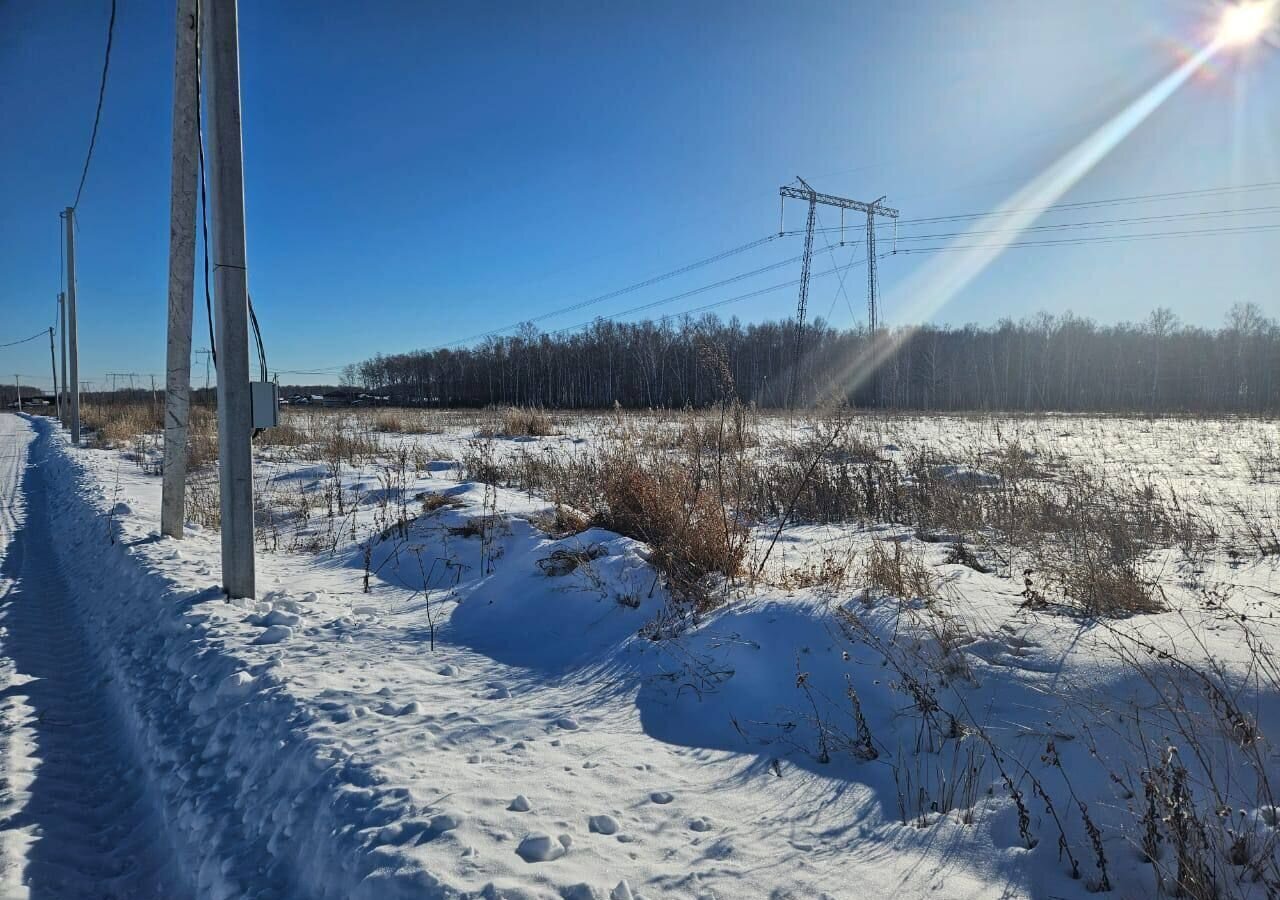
75	819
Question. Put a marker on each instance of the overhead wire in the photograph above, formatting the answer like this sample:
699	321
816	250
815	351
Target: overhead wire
204	219
1093	223
713	305
1114	201
204	205
837	269
648	282
1098	239
97	116
43	332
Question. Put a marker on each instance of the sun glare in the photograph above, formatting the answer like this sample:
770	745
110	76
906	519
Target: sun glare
1244	23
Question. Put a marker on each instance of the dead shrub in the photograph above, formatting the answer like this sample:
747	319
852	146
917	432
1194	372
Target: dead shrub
401	421
519	421
692	536
388	421
345	444
289	433
433	501
476	526
565	561
829	571
119	426
202	438
899	572
203	505
1105	584
561	522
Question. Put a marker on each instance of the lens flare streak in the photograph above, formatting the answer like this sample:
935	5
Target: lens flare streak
939	281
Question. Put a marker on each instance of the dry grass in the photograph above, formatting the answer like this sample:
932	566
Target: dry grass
561	522
137	429
895	569
119	426
403	421
519	421
692	536
432	501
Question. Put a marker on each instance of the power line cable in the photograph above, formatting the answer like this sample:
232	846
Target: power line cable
97	116
1097	223
257	335
718	303
1057	242
1099	239
701	290
43	332
648	282
1115	201
204	200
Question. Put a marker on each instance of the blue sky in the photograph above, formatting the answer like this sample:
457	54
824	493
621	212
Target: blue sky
420	172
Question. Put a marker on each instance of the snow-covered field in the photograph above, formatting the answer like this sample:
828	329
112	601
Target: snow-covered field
434	696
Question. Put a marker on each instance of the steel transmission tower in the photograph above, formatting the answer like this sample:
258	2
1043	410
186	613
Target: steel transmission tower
813	198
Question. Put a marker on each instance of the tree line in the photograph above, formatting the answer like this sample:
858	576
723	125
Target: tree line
1041	363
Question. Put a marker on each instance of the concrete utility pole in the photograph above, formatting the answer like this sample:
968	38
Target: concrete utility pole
63	409
72	331
53	365
231	294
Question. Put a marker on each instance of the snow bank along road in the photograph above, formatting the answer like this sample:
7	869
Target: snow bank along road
78	820
130	765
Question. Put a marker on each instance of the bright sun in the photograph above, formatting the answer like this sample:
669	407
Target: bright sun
1245	22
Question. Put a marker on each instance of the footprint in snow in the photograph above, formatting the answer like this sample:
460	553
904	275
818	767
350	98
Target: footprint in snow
499	693
420	830
520	804
274	635
448	671
568	723
661	797
538	847
603	825
280	617
699	824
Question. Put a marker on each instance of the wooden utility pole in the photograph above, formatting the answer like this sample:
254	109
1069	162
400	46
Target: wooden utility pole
53	365
63	408
17	384
183	179
231	293
73	343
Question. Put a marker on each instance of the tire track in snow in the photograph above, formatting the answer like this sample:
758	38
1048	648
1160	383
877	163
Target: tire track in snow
78	820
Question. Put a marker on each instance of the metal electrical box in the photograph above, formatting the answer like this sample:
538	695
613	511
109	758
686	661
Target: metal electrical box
265	399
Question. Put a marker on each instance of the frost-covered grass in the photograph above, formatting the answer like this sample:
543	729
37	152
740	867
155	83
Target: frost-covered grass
976	656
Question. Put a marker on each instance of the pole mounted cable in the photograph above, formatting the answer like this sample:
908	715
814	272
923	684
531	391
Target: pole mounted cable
204	200
204	217
41	333
97	116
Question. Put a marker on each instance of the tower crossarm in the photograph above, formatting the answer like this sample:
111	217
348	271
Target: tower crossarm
841	202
